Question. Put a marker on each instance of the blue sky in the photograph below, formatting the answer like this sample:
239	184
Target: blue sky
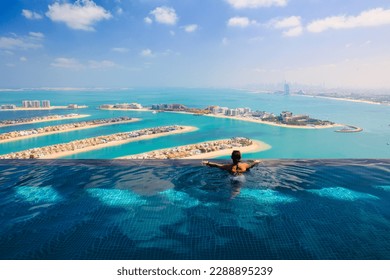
194	43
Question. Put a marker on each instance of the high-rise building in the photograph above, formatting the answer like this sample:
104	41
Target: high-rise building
36	104
286	89
46	103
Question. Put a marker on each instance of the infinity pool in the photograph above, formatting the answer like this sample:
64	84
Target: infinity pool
119	209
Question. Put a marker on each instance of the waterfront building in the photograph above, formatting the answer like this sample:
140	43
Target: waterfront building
286	89
286	115
297	118
162	107
268	115
223	110
106	106
214	109
135	106
73	106
232	112
243	111
27	104
8	106
240	111
46	103
121	106
178	107
258	114
36	104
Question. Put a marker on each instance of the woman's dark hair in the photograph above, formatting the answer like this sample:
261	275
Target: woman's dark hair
236	156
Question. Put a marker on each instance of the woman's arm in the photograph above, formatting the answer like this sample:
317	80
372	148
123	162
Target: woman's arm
253	163
213	164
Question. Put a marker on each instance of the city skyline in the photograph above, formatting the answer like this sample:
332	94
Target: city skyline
223	43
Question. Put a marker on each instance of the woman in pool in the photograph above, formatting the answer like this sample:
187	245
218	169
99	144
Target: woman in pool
237	167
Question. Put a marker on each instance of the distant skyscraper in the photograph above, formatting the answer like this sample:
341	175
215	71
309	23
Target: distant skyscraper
286	89
45	103
36	103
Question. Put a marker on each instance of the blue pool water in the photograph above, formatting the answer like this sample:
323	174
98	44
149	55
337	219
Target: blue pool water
118	209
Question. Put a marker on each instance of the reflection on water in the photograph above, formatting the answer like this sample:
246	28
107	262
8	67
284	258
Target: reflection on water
119	209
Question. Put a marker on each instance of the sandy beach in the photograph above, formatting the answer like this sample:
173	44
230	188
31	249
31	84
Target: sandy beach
47	119
346	99
65	130
177	152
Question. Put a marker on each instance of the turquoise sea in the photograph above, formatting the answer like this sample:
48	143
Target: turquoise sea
288	143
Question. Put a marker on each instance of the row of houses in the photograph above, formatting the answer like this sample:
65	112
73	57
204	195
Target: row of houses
174	106
228	111
289	117
8	106
121	106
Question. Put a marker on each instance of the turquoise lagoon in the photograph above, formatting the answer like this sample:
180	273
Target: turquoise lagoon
288	143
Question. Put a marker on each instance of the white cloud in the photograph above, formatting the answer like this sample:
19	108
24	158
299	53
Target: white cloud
369	18
240	4
288	22
14	43
240	22
146	53
293	32
148	20
31	15
292	24
36	35
70	63
23	59
81	15
191	28
165	15
120	50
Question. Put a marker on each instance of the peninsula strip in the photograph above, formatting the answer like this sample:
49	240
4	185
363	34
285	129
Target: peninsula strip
205	150
41	119
43	131
95	143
